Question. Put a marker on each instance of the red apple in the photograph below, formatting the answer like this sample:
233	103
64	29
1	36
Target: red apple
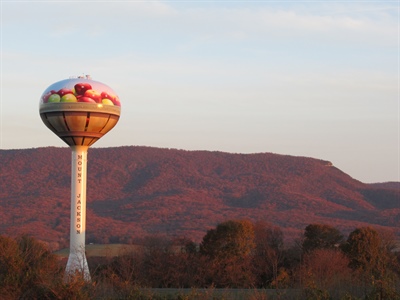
106	95
64	91
47	95
81	88
85	99
113	98
95	95
116	101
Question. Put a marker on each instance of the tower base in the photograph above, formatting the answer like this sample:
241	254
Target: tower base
77	265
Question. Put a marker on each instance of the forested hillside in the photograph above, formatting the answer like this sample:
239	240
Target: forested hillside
134	192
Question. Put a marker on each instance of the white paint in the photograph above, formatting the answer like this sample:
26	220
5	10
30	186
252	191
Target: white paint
77	262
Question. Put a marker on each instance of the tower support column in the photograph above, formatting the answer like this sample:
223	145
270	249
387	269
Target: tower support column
77	262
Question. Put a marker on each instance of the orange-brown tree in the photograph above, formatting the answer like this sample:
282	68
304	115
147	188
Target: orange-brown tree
28	270
371	257
325	272
321	236
268	254
228	248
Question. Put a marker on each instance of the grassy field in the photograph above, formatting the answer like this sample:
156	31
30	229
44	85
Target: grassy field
224	294
102	250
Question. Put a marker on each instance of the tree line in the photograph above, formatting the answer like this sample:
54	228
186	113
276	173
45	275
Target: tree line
322	264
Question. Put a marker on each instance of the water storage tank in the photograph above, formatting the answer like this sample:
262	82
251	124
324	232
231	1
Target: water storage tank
79	110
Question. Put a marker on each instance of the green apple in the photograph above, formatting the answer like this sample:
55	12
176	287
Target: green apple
54	98
69	98
107	102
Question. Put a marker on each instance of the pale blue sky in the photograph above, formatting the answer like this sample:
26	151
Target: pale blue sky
306	78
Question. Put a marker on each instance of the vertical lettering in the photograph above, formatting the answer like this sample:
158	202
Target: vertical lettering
78	203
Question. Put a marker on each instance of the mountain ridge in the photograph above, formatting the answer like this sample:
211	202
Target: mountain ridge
134	191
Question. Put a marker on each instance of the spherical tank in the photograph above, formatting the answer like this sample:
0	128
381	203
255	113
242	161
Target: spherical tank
79	110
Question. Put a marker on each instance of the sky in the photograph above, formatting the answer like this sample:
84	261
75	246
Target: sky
305	78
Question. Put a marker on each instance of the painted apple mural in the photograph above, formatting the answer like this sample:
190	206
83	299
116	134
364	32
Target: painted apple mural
80	90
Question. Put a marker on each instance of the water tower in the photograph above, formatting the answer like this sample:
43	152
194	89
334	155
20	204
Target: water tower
80	111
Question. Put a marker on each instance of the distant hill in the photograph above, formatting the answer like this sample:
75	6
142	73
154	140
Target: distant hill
386	185
138	191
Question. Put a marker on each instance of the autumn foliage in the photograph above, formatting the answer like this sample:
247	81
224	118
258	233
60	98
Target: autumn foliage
134	192
234	254
200	220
